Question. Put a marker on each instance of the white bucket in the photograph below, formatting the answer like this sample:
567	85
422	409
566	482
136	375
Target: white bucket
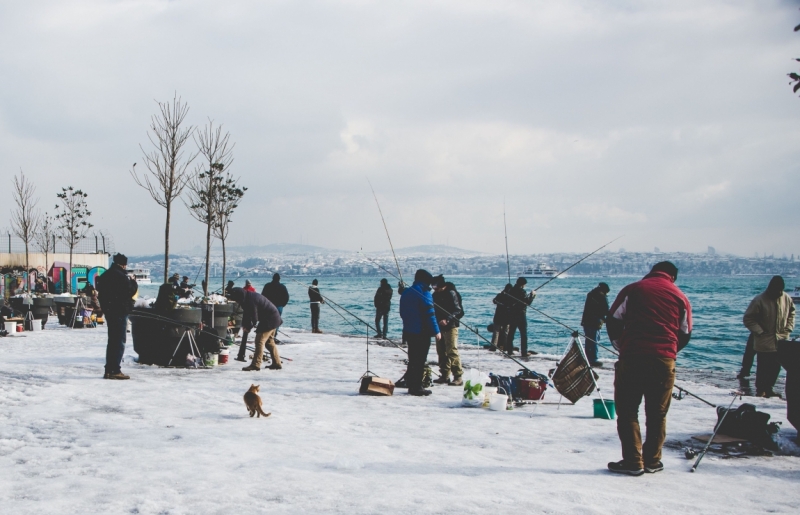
497	402
36	325
11	327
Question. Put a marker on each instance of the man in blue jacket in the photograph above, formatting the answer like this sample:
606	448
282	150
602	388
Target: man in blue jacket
419	324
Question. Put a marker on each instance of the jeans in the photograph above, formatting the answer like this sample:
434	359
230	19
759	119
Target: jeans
518	322
590	345
749	356
653	379
382	314
767	369
117	333
314	316
418	347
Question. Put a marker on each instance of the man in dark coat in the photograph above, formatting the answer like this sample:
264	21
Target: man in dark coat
502	319
115	291
315	300
262	314
448	309
185	288
518	312
419	324
383	304
649	323
276	292
595	311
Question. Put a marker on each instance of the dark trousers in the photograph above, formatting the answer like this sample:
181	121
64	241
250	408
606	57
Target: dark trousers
418	347
749	356
653	379
382	314
518	322
243	345
767	369
590	343
117	332
314	315
789	357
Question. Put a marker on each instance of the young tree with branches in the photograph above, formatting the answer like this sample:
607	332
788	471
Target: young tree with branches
230	193
44	239
167	164
72	219
206	185
25	218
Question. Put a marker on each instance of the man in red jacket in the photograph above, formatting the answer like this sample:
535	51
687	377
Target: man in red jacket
649	322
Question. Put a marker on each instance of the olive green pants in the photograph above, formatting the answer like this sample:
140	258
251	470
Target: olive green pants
447	349
266	339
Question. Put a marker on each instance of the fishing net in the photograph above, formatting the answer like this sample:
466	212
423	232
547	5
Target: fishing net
573	375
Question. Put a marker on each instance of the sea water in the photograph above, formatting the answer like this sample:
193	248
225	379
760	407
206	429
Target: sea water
718	303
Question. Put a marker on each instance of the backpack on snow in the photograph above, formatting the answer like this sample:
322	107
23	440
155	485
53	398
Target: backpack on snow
748	423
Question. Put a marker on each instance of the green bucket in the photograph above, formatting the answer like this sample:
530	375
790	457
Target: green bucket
599	412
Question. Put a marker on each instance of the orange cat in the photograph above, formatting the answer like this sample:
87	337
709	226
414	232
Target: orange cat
253	401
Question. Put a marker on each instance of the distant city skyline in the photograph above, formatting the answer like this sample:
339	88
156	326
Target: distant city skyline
671	123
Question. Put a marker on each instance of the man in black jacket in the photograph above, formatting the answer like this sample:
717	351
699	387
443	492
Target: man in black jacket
518	312
595	311
116	290
314	300
262	314
383	304
276	292
448	309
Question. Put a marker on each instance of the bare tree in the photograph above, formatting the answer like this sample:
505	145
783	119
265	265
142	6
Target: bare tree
230	193
167	165
25	217
44	239
72	219
204	186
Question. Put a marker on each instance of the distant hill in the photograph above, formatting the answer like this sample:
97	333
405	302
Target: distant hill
154	257
438	250
282	248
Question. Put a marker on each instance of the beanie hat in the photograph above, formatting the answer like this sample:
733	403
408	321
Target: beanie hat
120	259
276	277
666	266
315	282
521	281
438	281
423	276
604	287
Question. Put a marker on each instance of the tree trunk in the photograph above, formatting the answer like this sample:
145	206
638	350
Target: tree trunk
69	272
208	254
224	260
166	244
46	276
27	268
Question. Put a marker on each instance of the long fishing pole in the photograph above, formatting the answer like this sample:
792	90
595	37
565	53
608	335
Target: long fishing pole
387	231
505	228
466	326
575	263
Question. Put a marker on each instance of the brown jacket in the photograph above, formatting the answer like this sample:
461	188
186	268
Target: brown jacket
769	320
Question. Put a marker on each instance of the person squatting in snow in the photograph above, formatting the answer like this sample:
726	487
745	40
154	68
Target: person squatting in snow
116	289
649	323
262	314
419	325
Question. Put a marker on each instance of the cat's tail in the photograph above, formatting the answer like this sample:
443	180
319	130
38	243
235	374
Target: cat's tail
261	412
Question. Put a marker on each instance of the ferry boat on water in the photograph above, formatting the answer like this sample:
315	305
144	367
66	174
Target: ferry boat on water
795	295
540	271
142	275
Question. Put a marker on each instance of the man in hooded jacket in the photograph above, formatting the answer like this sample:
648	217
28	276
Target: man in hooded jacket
419	324
649	323
383	304
115	291
262	314
595	311
448	308
770	318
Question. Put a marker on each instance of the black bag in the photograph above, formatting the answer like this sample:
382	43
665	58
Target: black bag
748	423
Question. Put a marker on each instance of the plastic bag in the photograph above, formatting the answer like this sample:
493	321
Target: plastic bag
474	393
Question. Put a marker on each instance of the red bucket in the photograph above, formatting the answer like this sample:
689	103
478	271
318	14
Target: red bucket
223	356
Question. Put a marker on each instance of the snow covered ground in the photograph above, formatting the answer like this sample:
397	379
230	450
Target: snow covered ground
180	441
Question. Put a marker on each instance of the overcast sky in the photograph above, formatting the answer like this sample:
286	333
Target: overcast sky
671	123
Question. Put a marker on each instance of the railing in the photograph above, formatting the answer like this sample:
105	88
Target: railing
96	243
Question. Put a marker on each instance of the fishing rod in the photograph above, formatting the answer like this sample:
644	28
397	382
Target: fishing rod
387	231
572	265
471	329
505	228
343	318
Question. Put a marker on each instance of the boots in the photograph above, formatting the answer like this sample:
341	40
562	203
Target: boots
257	355
442	380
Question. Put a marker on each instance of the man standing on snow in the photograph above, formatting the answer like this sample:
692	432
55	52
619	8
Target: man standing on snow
447	306
595	311
518	312
314	301
770	318
383	304
419	324
649	322
277	293
262	314
115	292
